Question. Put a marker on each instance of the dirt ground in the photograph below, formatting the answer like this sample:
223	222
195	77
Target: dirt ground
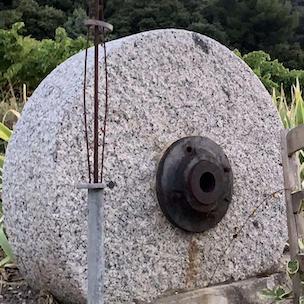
14	290
18	294
21	293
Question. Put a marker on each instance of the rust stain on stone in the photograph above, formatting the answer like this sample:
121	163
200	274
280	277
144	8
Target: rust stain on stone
193	264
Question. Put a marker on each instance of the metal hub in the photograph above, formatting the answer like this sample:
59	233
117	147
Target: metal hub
194	183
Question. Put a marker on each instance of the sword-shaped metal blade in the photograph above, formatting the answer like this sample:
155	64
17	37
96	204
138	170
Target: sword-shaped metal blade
95	247
96	256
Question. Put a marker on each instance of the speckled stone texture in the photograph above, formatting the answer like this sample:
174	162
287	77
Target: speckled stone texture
163	85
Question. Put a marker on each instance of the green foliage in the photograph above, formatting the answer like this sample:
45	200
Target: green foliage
276	294
5	246
5	132
75	26
41	17
272	73
275	26
24	60
293	267
291	114
40	21
130	17
8	17
64	5
5	135
256	24
247	25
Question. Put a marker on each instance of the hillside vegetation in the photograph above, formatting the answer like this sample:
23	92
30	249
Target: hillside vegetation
274	26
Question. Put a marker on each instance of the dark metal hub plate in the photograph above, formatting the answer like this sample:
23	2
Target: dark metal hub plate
194	183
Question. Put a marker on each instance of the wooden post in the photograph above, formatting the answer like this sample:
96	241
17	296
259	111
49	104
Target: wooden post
291	142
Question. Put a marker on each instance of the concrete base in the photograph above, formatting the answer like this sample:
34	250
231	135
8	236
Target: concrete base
242	292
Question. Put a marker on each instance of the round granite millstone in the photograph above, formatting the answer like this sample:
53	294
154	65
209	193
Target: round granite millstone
163	85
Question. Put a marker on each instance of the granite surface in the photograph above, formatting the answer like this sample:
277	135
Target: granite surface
163	85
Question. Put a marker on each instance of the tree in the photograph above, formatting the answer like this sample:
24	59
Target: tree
299	35
133	16
249	25
40	21
75	24
41	17
9	17
255	24
275	26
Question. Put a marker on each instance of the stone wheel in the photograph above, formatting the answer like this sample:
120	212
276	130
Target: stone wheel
164	85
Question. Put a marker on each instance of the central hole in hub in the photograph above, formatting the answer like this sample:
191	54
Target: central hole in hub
207	182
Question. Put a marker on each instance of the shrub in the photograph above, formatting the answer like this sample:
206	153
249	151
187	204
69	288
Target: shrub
5	135
272	73
24	60
292	115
